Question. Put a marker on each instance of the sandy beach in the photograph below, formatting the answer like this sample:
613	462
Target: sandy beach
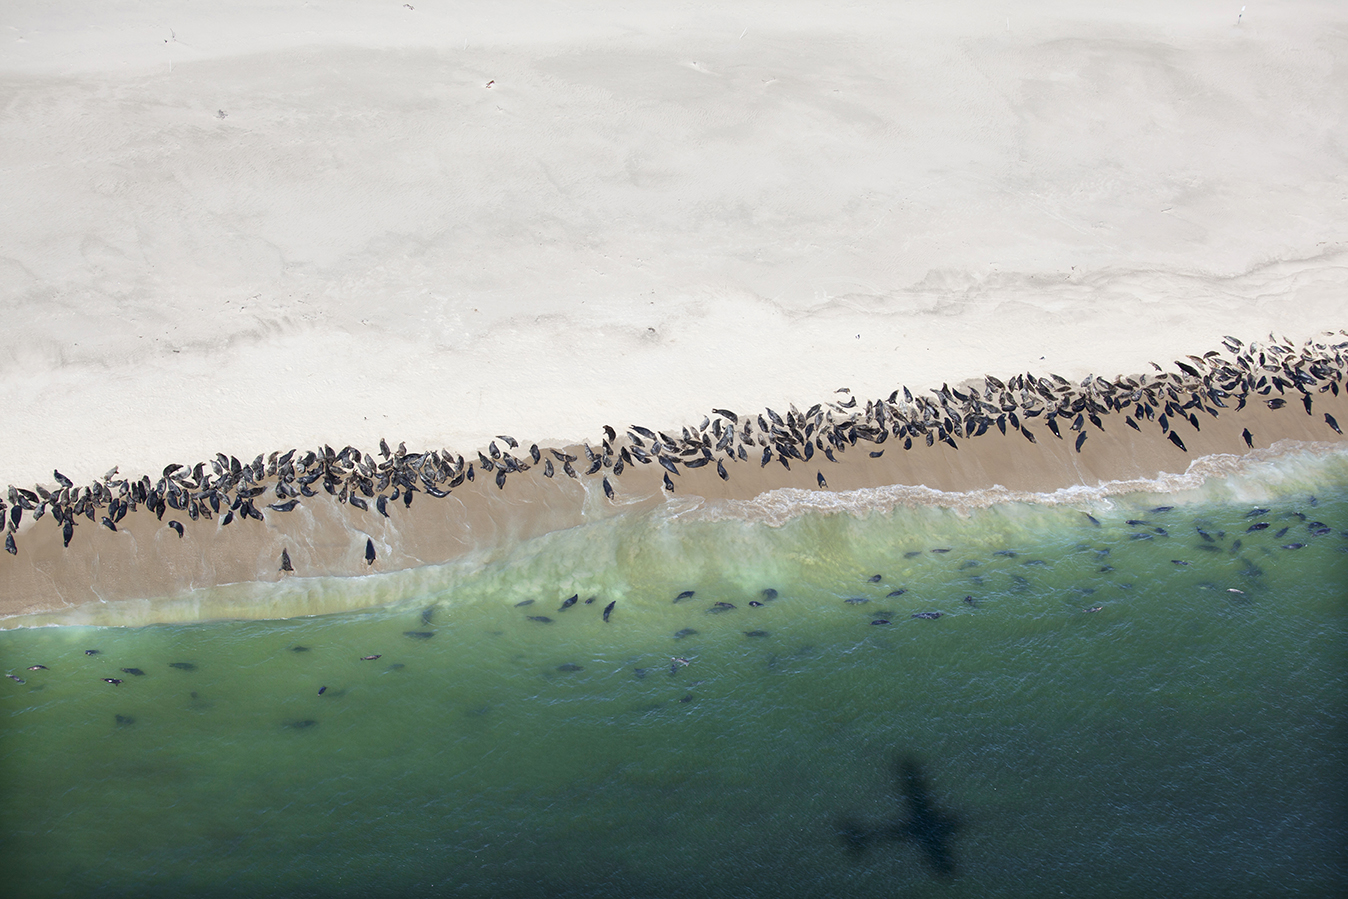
248	230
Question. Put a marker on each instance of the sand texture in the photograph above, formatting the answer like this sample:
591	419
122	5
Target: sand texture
237	230
266	226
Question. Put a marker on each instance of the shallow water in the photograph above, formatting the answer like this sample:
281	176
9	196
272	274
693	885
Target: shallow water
1187	735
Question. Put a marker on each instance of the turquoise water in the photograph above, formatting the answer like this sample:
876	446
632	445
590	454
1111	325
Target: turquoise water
1179	739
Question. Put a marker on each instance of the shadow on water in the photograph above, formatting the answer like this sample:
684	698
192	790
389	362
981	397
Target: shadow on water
923	823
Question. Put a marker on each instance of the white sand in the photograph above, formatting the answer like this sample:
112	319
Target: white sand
649	212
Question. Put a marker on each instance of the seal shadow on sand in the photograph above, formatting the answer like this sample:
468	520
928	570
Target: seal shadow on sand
924	823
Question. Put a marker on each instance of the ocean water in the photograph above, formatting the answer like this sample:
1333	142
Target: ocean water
1102	708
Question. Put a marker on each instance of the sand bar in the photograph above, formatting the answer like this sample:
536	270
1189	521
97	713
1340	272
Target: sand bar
248	229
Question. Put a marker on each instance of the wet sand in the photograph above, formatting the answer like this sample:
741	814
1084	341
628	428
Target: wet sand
146	560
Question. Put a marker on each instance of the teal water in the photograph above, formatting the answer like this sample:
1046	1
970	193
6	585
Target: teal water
1180	739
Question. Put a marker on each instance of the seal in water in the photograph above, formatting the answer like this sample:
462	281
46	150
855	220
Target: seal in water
608	609
134	672
369	658
541	619
111	680
569	602
687	594
183	666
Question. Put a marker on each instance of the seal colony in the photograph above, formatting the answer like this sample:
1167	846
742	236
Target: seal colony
1253	380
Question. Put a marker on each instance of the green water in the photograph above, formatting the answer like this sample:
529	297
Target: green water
1182	739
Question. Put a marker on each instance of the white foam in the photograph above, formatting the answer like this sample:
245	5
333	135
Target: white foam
1257	475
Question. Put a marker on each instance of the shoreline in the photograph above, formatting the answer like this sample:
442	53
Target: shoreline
325	534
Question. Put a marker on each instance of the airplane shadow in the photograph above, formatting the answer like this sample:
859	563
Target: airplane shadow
924	824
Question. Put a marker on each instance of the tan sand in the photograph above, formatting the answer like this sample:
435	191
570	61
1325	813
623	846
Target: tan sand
144	559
